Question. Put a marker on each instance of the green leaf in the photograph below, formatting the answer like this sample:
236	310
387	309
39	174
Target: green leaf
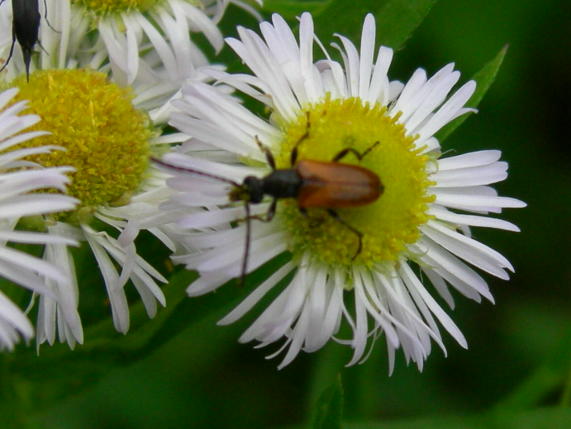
326	366
329	407
59	372
546	418
542	382
396	19
289	9
484	78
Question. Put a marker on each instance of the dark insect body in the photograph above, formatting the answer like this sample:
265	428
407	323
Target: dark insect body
25	29
314	184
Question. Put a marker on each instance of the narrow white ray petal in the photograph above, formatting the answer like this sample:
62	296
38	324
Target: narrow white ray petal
379	91
455	198
248	303
29	205
316	306
416	287
440	285
463	245
438	87
21	259
11	315
461	219
207	282
448	111
409	315
35	238
117	298
468	160
297	337
474	176
367	51
455	271
359	340
333	312
351	62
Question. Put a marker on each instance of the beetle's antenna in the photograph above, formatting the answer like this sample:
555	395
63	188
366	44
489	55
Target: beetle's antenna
246	244
193	171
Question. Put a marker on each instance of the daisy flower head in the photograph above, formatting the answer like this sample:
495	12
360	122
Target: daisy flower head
24	194
109	132
147	33
356	266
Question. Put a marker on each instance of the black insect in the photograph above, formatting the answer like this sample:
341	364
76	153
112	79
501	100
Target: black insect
25	28
314	184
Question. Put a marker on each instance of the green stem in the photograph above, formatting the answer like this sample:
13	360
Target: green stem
566	395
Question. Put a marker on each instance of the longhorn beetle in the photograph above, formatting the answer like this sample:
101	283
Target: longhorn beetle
314	184
25	28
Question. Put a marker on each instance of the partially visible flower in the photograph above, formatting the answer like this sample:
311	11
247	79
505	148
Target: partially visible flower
416	227
141	34
23	194
109	131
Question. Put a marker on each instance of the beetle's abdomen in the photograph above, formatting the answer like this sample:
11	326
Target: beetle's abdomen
336	185
26	21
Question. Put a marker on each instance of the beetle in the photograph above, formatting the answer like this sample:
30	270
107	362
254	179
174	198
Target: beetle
328	185
25	28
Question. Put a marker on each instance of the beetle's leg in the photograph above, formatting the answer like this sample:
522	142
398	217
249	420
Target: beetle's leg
293	154
313	222
343	153
46	17
10	53
354	230
42	47
267	152
263	218
271	211
269	214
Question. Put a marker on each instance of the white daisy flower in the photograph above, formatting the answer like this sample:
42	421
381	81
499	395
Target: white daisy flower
356	266
143	33
110	132
23	194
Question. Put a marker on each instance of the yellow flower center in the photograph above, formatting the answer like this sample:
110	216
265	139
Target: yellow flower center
110	7
387	224
105	138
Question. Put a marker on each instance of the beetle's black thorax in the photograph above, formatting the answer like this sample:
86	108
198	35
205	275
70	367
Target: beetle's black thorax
282	183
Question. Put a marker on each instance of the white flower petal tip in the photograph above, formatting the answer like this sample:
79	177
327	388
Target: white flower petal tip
227	143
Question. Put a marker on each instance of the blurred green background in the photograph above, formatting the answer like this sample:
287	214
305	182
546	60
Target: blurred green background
519	348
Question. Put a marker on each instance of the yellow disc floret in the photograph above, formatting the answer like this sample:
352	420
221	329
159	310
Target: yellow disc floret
103	136
389	223
110	7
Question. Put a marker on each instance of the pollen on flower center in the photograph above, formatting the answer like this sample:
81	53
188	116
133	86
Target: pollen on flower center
109	7
389	223
105	138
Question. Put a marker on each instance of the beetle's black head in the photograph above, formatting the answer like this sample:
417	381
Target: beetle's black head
254	187
251	190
